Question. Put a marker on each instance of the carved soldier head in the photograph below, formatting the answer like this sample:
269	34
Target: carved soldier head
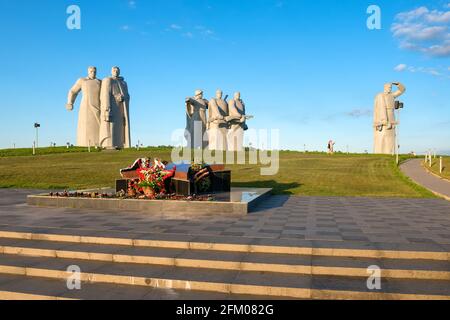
198	94
92	72
237	95
115	72
219	94
388	88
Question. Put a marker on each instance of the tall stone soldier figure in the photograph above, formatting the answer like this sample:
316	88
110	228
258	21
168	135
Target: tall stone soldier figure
196	121
115	114
89	114
217	131
237	121
384	119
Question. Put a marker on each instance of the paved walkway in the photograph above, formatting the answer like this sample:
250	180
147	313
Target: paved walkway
414	170
409	223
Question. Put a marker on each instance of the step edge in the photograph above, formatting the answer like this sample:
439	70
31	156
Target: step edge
245	266
231	288
245	248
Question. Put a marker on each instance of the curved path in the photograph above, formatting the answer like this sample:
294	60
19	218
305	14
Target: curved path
414	170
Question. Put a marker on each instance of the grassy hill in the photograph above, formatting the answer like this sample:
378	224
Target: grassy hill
435	167
300	174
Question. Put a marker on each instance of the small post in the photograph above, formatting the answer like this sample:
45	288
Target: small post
139	145
34	148
14	145
89	146
441	168
429	160
397	159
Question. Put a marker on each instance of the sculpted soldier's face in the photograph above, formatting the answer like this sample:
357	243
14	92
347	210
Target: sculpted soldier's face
199	94
92	73
219	94
388	88
237	95
115	72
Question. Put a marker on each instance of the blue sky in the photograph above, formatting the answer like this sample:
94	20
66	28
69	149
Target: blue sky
308	68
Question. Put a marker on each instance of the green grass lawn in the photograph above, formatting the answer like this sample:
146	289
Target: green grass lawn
435	167
42	151
300	174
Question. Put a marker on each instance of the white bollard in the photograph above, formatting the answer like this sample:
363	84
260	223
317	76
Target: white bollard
440	165
34	148
89	146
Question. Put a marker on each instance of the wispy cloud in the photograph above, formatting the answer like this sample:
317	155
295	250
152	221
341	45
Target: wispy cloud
424	30
401	67
359	113
353	114
132	4
196	31
437	72
174	26
125	28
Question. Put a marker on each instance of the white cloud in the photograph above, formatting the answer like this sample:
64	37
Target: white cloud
198	31
174	26
132	4
359	113
401	67
437	72
125	28
424	30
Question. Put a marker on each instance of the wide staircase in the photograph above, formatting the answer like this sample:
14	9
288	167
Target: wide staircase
34	266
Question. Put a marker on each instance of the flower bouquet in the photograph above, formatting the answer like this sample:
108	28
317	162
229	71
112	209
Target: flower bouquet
152	180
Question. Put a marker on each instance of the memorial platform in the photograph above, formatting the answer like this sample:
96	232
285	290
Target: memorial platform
237	202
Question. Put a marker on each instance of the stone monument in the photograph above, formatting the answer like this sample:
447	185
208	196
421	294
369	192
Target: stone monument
115	115
196	121
237	123
384	119
89	114
217	133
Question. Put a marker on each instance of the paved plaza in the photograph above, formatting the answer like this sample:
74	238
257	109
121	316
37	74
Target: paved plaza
416	223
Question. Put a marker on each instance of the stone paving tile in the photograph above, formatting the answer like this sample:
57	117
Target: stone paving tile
385	220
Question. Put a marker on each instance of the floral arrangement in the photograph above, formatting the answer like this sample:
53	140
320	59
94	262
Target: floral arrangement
152	179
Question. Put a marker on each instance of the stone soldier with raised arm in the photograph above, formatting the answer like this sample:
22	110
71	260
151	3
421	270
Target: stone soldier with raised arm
89	114
384	119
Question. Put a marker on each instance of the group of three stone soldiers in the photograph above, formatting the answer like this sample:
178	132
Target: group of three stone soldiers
221	128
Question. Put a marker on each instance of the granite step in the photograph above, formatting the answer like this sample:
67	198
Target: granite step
239	261
246	245
222	281
14	287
